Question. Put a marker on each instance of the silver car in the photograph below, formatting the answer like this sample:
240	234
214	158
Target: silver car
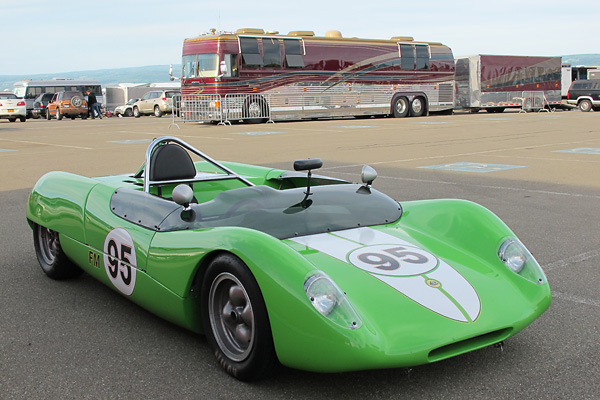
157	102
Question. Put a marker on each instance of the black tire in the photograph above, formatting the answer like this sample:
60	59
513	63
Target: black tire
129	112
58	114
585	105
12	119
22	119
157	112
255	110
235	320
417	106
136	112
50	255
48	116
400	107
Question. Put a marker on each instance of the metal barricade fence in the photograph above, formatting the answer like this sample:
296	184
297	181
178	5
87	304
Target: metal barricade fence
533	101
247	106
197	108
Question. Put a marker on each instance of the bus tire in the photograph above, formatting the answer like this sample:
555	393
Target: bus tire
400	107
255	110
417	107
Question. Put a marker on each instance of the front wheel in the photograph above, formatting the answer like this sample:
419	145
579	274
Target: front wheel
585	105
128	113
235	320
50	255
255	110
58	114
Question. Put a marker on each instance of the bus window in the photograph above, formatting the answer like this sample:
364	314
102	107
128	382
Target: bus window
293	53
189	66
422	56
271	53
232	65
407	56
250	53
208	65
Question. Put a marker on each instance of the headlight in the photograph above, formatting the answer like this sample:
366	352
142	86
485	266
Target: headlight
330	301
519	260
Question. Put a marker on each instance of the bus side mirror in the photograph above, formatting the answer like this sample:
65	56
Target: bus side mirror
223	68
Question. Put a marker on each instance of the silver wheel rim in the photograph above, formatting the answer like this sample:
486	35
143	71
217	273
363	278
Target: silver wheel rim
417	105
231	317
49	244
401	106
254	110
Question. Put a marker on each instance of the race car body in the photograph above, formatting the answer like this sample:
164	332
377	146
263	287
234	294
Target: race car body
277	266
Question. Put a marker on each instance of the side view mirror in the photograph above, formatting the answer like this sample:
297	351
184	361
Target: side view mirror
183	195
368	175
223	68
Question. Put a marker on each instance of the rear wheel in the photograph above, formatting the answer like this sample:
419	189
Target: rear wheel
12	119
50	255
585	105
235	320
22	119
400	107
417	107
136	112
58	114
157	112
48	116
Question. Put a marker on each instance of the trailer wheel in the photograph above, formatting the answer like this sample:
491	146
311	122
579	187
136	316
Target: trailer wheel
417	107
400	107
585	105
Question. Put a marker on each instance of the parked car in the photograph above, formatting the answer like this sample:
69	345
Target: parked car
125	110
39	105
12	107
158	102
67	104
585	94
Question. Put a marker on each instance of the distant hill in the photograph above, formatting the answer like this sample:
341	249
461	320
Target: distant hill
108	77
160	73
588	60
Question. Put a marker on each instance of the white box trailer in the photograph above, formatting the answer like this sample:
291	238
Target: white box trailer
496	82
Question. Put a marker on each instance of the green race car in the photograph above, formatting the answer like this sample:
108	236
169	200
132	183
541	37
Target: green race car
288	267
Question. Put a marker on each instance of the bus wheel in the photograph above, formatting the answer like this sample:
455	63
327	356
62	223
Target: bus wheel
400	107
417	107
255	110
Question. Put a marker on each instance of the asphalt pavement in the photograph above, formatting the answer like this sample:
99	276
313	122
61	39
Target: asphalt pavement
539	172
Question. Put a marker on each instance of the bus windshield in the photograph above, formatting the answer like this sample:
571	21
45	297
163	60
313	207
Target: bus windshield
200	65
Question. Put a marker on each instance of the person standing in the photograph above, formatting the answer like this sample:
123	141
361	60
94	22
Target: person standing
93	104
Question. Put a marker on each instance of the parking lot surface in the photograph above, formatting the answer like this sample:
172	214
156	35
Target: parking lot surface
539	172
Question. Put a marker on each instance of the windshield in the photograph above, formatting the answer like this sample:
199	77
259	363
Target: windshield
279	213
200	65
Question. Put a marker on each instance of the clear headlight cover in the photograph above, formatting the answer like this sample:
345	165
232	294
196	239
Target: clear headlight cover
329	300
519	260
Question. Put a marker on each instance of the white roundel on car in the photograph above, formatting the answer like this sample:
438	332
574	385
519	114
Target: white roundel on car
120	261
393	260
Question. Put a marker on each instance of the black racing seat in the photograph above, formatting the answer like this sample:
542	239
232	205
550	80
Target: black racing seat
171	162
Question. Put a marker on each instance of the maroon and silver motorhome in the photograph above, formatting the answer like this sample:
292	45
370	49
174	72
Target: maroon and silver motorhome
252	73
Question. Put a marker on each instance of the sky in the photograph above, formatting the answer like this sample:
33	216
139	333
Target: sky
41	36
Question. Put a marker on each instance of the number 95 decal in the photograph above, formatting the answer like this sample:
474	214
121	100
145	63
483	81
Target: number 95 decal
120	260
393	260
